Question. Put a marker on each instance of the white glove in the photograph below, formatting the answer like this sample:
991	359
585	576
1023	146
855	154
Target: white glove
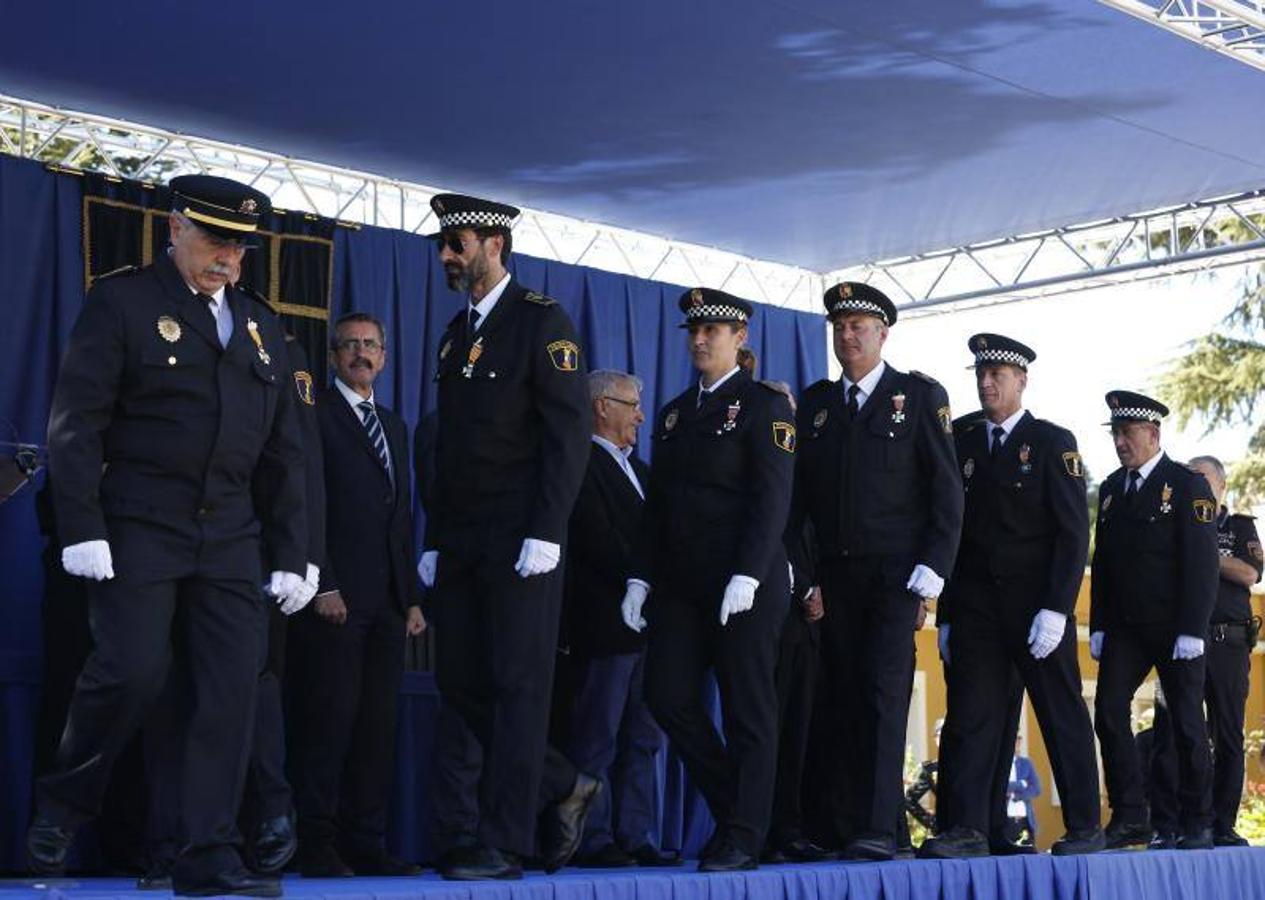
924	582
89	559
942	641
1188	647
739	597
537	558
1095	644
303	594
426	567
630	609
283	585
1046	632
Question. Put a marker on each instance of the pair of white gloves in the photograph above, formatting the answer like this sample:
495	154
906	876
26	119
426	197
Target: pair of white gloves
1185	647
1044	635
739	598
535	558
92	559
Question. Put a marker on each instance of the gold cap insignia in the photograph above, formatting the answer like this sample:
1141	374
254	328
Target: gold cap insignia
439	205
845	290
169	329
982	343
1113	401
249	206
696	297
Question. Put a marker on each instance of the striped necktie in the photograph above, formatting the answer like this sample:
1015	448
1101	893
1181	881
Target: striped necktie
376	436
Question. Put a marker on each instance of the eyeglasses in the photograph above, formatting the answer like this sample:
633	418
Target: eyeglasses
454	242
635	404
370	345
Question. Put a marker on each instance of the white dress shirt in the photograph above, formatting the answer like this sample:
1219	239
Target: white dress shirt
484	306
1145	469
620	455
1006	427
354	400
716	386
867	384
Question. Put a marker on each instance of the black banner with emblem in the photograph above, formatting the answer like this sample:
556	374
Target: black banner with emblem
292	263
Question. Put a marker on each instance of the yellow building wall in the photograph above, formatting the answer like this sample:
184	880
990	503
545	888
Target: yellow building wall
929	704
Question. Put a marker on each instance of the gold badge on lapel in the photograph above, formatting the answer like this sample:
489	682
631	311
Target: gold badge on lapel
670	420
1166	496
168	329
476	350
1072	463
253	328
820	418
946	419
898	408
784	436
968	468
1205	511
564	355
303	385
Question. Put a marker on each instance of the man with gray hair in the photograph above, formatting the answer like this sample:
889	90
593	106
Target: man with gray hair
613	734
1232	633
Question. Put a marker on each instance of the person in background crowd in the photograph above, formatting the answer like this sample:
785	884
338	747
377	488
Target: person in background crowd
1023	787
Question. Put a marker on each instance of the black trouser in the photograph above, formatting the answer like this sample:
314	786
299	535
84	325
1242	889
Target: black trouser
1225	692
496	640
343	688
868	654
988	644
132	619
455	782
267	790
999	793
1129	653
795	679
735	776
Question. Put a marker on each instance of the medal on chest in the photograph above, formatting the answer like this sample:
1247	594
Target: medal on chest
968	468
731	416
1025	455
476	350
898	408
253	328
1225	543
1166	496
670	420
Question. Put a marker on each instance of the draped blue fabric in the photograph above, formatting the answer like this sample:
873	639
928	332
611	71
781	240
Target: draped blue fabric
625	323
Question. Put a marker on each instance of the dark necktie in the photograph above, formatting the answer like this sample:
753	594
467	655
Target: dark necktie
853	406
1131	489
999	434
374	429
473	321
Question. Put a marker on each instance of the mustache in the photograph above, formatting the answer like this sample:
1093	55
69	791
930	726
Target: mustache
361	363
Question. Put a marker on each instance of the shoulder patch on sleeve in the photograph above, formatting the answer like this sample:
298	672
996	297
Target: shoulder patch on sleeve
539	299
1072	464
946	419
303	386
564	355
1205	511
784	436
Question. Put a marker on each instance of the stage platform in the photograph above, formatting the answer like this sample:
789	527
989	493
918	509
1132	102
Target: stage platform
1237	873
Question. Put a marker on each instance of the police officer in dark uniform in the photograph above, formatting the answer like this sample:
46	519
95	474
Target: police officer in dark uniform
876	475
1025	538
172	400
1231	637
712	562
1154	584
511	450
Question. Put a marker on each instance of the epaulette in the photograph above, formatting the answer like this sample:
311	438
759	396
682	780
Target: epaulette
1250	518
771	386
818	385
963	424
539	299
114	273
256	296
923	375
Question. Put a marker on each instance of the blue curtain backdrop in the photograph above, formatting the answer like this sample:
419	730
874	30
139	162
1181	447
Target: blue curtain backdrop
624	323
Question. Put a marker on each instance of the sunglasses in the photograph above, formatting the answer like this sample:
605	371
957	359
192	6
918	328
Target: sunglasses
454	242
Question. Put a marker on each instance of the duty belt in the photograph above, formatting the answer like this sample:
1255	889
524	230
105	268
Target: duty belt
1219	632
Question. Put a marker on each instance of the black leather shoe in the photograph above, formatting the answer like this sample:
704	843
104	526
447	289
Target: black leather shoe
237	882
1121	833
957	843
565	825
873	849
484	864
612	856
802	850
727	858
1010	848
1077	843
1162	840
156	879
652	858
1229	838
1199	839
47	845
322	861
273	846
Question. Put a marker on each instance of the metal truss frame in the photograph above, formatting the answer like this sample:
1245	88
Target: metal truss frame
80	142
1190	237
1235	28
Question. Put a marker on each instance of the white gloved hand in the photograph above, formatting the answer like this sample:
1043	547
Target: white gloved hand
739	597
942	641
537	558
1046	632
924	582
303	594
1188	647
426	567
630	609
88	559
1095	644
285	587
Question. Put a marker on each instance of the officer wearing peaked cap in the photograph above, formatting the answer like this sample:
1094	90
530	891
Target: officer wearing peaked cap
712	565
173	398
511	450
1011	597
1154	583
877	477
